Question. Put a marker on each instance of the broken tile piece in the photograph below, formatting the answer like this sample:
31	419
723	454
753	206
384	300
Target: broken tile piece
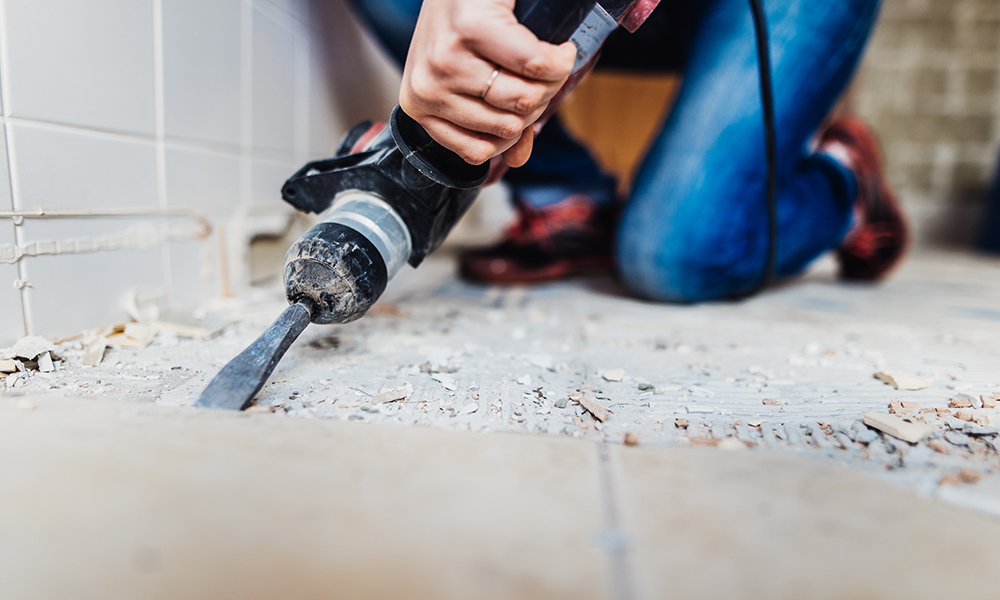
964	414
8	365
989	400
904	381
28	348
984	418
594	407
960	403
95	351
771	402
393	395
45	362
680	423
704	441
631	439
898	428
614	374
939	446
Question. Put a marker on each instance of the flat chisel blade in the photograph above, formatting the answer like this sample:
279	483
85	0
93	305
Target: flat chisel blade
240	380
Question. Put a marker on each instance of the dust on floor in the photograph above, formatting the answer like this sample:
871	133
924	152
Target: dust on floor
793	370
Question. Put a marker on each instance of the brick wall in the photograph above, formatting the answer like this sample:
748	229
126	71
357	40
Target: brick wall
930	85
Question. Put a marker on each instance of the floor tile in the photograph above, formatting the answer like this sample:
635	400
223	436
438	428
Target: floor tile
715	524
133	501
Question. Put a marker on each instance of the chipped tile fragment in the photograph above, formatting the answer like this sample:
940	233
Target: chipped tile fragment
704	441
939	446
898	428
613	374
771	402
45	362
593	407
904	381
631	439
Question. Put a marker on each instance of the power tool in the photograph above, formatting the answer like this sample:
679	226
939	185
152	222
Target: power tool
388	197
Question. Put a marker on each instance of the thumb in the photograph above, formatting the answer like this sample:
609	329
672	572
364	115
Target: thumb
520	152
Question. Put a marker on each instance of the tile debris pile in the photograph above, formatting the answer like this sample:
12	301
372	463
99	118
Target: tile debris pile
858	375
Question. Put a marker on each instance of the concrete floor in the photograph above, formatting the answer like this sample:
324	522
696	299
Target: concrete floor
124	491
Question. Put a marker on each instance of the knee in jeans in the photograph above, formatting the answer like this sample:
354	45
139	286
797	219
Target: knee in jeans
667	272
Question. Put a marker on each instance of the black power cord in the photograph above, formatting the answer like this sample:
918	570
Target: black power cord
770	143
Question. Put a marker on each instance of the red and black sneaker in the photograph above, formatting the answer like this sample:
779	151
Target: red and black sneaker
880	237
570	237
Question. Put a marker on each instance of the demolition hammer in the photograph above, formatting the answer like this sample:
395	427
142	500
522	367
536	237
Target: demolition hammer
391	194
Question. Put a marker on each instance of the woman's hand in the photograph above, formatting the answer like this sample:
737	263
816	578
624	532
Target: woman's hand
449	87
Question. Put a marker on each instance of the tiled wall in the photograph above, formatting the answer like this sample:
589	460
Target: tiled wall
930	84
207	105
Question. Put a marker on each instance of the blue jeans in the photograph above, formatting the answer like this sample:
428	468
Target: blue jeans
695	227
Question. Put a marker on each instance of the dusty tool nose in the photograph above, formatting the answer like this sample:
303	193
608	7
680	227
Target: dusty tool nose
342	264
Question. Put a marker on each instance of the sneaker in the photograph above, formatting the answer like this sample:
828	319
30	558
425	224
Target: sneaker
570	237
880	236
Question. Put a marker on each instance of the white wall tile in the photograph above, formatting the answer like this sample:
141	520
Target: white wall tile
11	322
60	169
268	177
201	66
207	182
85	63
73	292
273	84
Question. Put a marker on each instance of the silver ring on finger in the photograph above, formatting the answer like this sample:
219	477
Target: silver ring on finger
489	83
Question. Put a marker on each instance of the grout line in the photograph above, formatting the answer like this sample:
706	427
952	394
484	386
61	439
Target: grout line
236	267
22	267
161	151
303	93
613	539
169	142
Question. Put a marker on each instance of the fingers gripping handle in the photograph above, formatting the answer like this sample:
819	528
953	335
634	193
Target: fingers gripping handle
585	22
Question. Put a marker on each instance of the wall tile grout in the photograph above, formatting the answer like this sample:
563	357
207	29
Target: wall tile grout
161	152
233	243
22	267
218	148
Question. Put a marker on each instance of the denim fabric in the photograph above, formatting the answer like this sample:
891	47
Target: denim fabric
695	226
